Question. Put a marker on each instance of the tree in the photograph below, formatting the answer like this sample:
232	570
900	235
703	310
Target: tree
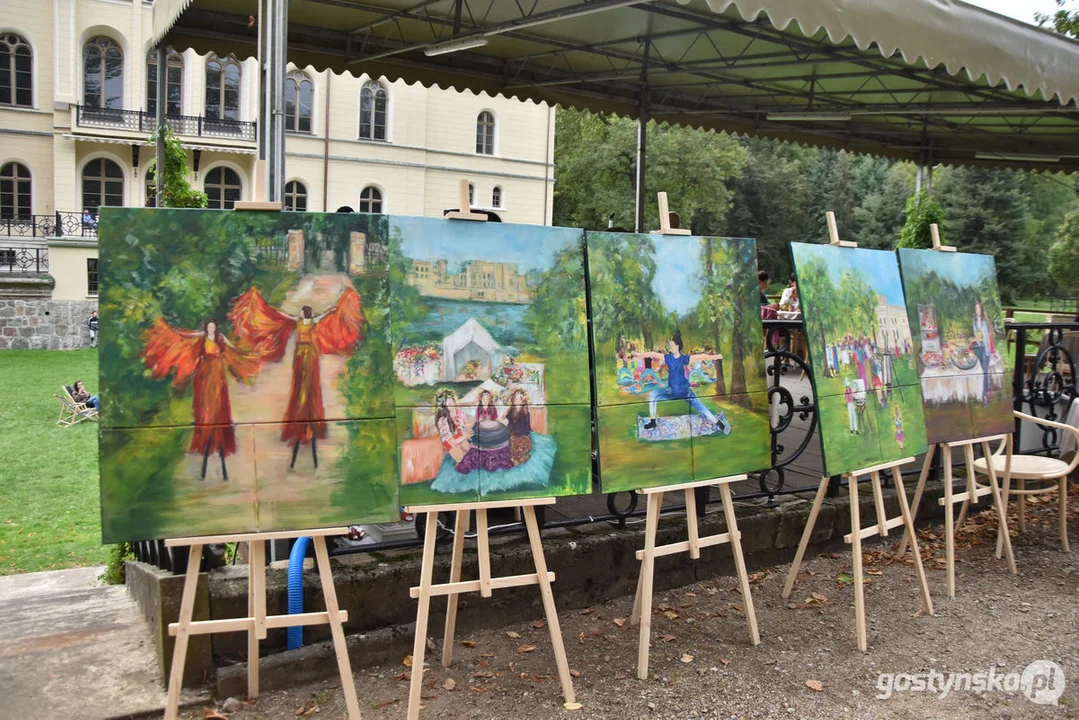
922	211
177	192
1062	20
1064	254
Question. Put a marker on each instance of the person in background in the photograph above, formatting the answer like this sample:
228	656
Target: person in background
80	394
789	300
763	278
92	324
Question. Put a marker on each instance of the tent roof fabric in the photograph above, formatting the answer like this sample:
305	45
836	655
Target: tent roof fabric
469	332
936	81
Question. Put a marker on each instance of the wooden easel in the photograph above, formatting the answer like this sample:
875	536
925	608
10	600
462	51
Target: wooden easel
642	603
484	585
881	527
665	219
257	621
465	205
973	492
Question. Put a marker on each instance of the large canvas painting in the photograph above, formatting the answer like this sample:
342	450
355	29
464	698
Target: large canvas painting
243	372
490	360
862	355
679	359
953	306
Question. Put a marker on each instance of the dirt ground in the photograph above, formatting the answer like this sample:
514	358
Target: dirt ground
807	665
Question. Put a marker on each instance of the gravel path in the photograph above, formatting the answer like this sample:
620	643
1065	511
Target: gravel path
807	665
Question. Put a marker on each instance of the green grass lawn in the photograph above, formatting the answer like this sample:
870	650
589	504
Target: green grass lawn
49	508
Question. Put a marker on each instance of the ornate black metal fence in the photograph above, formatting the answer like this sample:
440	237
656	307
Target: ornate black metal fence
146	122
1043	382
24	259
57	224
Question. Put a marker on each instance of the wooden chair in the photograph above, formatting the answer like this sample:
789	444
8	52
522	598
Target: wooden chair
1046	473
72	412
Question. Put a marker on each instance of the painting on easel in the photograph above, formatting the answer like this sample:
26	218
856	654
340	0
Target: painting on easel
679	359
238	380
862	356
953	305
490	360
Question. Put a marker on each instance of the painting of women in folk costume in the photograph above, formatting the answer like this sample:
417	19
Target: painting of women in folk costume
208	357
265	331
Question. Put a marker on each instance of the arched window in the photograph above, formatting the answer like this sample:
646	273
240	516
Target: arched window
174	82
102	184
16	71
373	102
496	197
15	201
103	74
223	188
299	95
222	88
485	133
370	200
295	196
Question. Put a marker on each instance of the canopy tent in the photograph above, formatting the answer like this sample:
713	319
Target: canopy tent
934	81
470	342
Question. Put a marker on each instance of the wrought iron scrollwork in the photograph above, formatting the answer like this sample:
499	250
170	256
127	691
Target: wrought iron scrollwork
1044	387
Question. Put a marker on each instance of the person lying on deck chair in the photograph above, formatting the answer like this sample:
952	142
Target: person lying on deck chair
677	379
80	394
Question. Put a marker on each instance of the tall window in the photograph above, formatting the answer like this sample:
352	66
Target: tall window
222	88
223	188
295	196
91	276
102	184
174	82
103	74
485	133
370	200
373	103
299	94
14	191
16	71
496	197
151	188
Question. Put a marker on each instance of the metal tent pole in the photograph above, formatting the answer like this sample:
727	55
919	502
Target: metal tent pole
642	141
273	34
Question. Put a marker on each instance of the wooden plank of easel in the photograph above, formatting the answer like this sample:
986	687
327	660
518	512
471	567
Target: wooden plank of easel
252	636
692	484
691	524
179	650
684	546
740	563
874	529
273	622
460	529
256	584
483	551
807	532
882	466
549	609
934	232
492	505
464	586
833	232
419	643
333	612
908	518
647	566
665	218
465	205
999	503
878	501
922	477
248	537
949	526
856	562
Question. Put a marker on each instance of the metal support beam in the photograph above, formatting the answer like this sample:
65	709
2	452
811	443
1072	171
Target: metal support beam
642	142
161	100
273	31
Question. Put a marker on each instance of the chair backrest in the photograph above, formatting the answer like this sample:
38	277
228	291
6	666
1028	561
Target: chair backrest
1064	427
66	401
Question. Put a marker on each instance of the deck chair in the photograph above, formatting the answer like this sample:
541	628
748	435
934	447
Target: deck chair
72	412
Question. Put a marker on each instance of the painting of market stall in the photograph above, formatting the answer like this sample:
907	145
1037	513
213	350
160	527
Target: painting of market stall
964	371
241	336
862	355
679	359
490	360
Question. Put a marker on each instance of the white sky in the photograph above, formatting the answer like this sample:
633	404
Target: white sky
1019	9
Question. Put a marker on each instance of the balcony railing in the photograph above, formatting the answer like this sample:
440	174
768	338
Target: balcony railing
58	224
15	259
146	122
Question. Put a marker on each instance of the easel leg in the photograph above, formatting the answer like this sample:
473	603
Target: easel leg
1002	528
460	527
483	546
691	524
179	649
949	523
740	562
908	521
856	558
806	534
1000	505
922	477
256	585
548	604
878	502
415	686
655	500
329	594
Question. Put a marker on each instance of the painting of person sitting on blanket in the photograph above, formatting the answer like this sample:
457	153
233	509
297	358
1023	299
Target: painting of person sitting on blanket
679	359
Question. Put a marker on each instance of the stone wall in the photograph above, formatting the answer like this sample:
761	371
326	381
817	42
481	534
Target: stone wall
44	324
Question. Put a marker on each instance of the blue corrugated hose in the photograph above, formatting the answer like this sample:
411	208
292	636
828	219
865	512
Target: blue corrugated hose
295	589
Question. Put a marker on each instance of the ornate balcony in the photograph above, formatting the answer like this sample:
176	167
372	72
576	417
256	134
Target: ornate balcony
57	224
144	122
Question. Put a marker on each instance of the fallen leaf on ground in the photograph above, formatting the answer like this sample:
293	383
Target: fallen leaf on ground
379	706
512	635
686	658
450	684
670	615
620	622
406	675
575	673
538	624
572	705
668	638
211	714
874	572
814	685
820	598
843	578
407	662
468	643
586	611
526	648
473	688
725	661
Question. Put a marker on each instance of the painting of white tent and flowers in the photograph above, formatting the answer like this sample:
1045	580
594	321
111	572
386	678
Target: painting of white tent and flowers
490	360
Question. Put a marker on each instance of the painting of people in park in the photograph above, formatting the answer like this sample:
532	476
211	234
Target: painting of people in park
241	336
862	355
953	305
679	359
490	360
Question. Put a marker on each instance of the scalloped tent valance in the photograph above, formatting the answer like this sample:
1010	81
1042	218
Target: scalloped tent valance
927	80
